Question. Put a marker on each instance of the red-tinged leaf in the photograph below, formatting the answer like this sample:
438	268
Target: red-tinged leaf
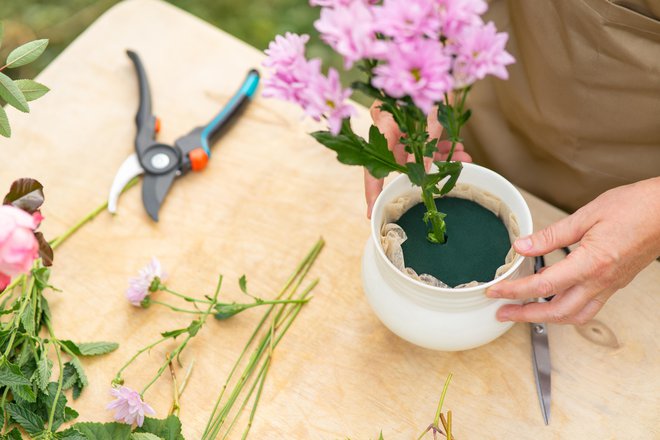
45	251
26	194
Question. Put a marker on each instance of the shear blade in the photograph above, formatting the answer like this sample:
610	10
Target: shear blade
542	367
128	170
154	190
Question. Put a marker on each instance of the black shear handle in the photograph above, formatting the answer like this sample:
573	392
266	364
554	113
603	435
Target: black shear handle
144	119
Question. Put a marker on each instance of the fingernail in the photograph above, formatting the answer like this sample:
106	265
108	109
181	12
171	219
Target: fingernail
493	293
524	244
502	315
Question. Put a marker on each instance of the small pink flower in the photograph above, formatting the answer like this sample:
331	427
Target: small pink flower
286	51
418	69
18	245
480	52
128	406
326	97
405	20
333	3
351	31
456	15
138	287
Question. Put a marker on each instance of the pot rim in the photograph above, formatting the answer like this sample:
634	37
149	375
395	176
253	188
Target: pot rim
375	235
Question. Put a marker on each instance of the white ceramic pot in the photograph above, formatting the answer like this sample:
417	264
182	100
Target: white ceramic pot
435	317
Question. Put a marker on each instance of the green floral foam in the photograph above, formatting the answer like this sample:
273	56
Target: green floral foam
476	246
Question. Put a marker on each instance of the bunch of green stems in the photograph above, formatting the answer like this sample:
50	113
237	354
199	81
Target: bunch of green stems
256	357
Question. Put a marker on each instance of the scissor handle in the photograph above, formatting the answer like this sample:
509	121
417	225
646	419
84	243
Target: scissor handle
144	119
236	104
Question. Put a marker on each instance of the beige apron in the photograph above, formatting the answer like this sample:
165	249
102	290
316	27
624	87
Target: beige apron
580	113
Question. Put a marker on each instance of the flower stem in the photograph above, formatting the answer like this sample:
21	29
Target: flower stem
268	341
442	399
89	217
139	352
176	309
182	345
60	378
187	298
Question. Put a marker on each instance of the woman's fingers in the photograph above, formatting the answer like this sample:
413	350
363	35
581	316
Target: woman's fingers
577	306
372	188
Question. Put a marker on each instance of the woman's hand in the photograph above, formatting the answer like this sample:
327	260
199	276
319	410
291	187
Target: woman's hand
618	235
389	128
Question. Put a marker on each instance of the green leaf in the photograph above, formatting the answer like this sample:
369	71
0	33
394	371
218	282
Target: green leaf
14	434
174	333
104	431
12	377
226	311
430	148
41	277
72	346
445	115
167	429
77	390
11	93
144	436
70	434
43	373
26	194
82	378
194	327
31	89
26	53
28	420
69	376
96	348
465	116
352	150
451	169
416	173
27	319
5	129
242	283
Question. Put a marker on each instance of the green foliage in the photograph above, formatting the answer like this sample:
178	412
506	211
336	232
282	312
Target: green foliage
90	348
30	399
31	89
152	429
17	93
351	149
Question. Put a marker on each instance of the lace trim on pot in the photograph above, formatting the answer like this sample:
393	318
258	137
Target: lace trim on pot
392	235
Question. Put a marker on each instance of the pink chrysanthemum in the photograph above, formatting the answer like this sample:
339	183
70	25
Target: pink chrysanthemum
405	20
333	3
128	406
286	51
481	52
419	70
351	31
326	97
456	15
138	287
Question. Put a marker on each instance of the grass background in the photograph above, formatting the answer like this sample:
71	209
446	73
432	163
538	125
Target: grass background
254	21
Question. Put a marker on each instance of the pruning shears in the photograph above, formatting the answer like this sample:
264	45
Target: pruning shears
161	163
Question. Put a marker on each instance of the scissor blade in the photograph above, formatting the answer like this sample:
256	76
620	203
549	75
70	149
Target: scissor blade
154	190
542	367
127	171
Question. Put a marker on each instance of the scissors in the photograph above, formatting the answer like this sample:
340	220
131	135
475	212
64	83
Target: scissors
541	352
161	163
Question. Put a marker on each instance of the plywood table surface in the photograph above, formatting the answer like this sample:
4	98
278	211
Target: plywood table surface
268	194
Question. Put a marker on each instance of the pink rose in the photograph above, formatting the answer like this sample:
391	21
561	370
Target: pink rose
18	245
